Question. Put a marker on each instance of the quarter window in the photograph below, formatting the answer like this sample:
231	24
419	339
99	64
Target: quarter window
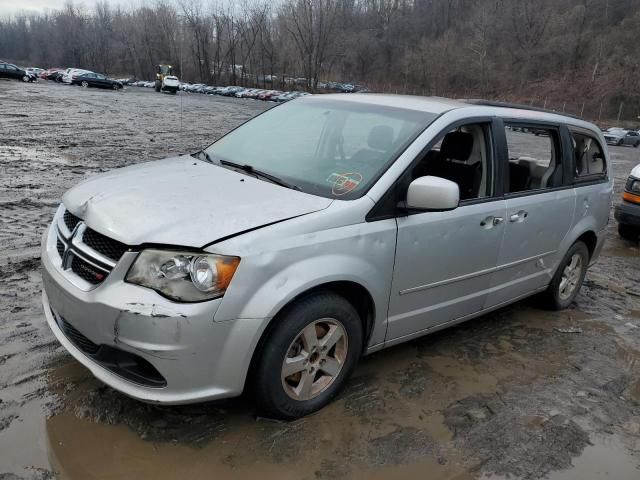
534	158
588	155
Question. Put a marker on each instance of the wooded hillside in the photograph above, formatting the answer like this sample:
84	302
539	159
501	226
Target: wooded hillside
580	55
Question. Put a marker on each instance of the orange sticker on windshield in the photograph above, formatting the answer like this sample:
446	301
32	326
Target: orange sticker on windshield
344	183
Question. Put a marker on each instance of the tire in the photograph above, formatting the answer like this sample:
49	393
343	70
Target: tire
620	143
636	145
116	86
319	317
559	295
84	84
628	232
25	78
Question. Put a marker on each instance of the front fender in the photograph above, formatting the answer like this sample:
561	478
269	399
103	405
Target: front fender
268	281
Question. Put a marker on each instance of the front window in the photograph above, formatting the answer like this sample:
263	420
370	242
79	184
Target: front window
335	149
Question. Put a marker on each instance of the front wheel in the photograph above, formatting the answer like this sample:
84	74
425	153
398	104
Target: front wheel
620	142
568	279
85	84
25	78
308	356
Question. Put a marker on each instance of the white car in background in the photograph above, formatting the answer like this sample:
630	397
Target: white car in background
620	136
67	76
34	71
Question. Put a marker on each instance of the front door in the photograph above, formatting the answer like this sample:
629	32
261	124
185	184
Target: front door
445	260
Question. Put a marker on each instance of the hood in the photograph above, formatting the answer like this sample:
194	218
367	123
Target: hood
183	201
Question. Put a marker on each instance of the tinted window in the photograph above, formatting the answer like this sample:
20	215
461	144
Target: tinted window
588	155
534	158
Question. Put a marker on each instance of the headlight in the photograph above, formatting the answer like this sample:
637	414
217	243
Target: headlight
183	276
633	185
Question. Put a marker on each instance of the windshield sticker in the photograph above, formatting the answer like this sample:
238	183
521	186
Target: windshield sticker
344	183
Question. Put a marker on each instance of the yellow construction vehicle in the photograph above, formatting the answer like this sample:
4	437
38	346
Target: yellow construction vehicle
165	80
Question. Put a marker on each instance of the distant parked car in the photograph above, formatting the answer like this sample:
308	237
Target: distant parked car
34	71
620	136
96	80
9	70
68	74
54	74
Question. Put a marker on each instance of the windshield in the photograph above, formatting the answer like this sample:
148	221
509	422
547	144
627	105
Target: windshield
332	148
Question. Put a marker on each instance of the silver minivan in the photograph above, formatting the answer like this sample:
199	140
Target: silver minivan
321	230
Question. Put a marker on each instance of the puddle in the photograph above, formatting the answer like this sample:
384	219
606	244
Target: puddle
608	458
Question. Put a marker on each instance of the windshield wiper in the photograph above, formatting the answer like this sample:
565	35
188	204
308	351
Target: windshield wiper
259	174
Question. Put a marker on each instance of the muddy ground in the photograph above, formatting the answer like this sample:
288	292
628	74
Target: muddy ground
509	395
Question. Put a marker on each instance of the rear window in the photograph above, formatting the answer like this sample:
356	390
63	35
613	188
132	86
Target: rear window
588	156
534	158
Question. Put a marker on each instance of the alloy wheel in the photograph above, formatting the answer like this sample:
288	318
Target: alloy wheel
570	277
314	359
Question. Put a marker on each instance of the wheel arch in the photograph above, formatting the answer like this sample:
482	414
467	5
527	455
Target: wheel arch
353	292
590	239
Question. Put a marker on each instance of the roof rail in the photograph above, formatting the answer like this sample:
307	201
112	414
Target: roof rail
492	103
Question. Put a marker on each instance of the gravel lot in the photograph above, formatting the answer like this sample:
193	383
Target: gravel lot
506	395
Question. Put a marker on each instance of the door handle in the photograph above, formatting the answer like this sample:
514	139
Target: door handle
516	217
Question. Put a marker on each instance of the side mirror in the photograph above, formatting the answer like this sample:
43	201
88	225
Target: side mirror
433	194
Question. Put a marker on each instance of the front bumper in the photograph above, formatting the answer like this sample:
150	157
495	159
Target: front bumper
186	356
627	213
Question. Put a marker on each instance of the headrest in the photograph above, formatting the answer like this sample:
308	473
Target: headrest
381	138
457	146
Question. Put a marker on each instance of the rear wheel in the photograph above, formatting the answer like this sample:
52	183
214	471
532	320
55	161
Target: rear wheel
308	356
568	279
637	144
628	232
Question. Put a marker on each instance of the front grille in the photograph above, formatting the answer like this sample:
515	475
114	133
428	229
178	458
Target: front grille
70	220
87	271
106	246
92	268
60	248
79	340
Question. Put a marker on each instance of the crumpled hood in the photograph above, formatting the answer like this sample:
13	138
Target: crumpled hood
182	201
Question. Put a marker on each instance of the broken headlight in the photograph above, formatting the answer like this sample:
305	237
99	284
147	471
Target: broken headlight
183	276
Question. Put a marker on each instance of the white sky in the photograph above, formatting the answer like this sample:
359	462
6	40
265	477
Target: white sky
13	6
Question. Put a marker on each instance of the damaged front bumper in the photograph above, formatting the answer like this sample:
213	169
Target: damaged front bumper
142	344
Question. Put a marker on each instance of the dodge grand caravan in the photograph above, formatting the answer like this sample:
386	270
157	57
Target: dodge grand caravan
321	230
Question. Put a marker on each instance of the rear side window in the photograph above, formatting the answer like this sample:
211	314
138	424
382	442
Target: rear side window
534	158
588	156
